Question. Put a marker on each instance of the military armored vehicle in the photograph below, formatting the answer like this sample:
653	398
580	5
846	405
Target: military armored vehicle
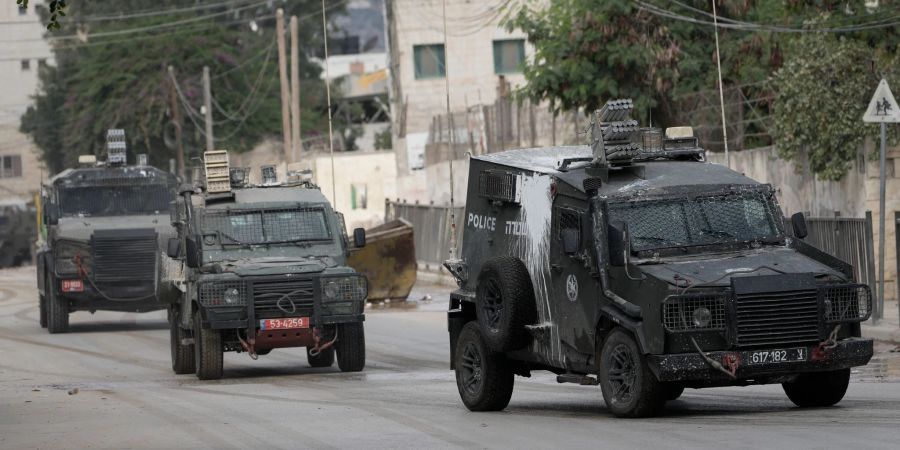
106	228
265	267
634	264
17	232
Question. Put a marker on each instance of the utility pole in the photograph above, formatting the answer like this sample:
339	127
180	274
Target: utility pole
207	114
176	118
285	90
295	90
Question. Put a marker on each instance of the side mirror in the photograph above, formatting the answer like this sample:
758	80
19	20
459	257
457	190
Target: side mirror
193	254
52	212
570	240
619	244
798	223
359	237
174	248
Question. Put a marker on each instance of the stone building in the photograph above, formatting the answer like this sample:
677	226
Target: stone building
22	52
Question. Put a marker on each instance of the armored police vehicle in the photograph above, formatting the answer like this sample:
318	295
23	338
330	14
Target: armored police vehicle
106	225
265	267
634	264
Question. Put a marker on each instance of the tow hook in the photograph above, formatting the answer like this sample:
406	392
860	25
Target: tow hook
731	362
320	347
821	351
249	347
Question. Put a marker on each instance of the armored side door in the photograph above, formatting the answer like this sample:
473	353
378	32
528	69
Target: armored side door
572	288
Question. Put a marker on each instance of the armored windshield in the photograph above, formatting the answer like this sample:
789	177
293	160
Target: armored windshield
745	216
265	226
120	200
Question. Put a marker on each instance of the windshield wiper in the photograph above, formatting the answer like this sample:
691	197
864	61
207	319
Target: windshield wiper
232	239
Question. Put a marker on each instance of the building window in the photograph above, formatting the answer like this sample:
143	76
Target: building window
10	166
26	64
42	62
429	61
509	55
22	10
359	196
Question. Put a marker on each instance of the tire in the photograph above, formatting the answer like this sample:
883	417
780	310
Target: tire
57	311
325	358
42	310
672	392
505	304
208	350
182	355
484	378
351	347
818	389
629	387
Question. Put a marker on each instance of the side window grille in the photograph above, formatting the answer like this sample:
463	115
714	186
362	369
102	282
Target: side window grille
567	219
502	186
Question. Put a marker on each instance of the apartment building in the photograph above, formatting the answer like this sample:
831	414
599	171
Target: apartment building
22	52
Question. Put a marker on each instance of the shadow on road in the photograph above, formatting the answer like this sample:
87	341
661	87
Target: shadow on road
109	327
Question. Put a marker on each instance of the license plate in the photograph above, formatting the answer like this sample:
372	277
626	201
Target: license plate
777	356
72	286
284	324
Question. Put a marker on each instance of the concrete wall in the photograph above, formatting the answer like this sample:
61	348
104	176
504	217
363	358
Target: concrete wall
852	196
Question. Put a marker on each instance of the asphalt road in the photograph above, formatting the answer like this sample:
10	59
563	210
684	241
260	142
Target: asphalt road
108	384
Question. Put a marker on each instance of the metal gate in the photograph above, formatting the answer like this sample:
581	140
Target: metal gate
851	241
432	229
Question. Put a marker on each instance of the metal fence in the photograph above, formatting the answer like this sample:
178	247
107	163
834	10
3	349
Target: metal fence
851	241
431	225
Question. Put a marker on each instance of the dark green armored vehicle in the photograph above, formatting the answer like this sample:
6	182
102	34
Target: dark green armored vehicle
265	267
106	228
634	264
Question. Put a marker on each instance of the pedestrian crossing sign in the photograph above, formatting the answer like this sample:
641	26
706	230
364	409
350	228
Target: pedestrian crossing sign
883	107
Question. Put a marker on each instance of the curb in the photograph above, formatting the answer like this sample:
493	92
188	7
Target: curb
882	332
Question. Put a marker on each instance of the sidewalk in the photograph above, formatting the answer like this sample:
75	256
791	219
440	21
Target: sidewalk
888	328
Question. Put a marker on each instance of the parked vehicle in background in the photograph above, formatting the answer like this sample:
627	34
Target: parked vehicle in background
265	267
634	264
17	232
106	225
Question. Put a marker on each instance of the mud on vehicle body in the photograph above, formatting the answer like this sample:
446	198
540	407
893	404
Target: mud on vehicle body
104	229
265	267
646	274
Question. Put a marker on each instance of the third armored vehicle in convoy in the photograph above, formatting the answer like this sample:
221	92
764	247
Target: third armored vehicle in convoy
634	264
265	267
105	229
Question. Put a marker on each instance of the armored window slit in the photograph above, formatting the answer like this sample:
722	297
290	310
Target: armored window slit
502	186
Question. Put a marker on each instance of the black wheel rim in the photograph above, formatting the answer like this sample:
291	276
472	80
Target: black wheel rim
492	305
622	374
472	369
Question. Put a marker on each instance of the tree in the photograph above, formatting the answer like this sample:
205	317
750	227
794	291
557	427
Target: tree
57	9
122	81
823	91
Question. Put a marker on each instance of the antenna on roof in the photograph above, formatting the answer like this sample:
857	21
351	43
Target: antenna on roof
450	126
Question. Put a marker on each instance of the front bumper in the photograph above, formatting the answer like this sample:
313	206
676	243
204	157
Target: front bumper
686	367
89	299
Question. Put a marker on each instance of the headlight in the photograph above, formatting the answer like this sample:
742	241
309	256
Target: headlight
847	303
65	255
353	288
701	317
223	293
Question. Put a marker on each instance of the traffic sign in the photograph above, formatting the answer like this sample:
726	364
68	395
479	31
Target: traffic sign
883	108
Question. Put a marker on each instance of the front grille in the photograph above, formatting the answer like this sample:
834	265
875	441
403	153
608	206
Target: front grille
124	255
771	318
289	296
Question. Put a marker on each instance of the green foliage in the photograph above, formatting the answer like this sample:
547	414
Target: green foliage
823	91
123	82
588	51
383	140
57	9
